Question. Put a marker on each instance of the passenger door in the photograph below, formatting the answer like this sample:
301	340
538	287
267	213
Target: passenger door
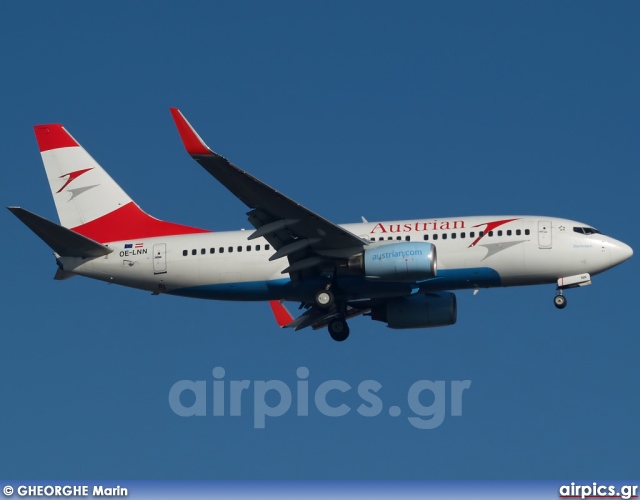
544	234
159	258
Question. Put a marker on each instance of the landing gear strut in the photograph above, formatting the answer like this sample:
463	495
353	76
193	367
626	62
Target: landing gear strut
338	329
560	301
325	299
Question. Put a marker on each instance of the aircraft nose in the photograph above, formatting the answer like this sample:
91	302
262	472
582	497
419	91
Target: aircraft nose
620	252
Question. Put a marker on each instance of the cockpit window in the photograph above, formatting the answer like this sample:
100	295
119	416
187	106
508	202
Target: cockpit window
586	230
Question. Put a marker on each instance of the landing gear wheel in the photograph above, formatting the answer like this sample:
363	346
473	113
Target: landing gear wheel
324	299
338	329
560	301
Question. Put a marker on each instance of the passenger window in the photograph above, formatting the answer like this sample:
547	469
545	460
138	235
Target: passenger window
399	238
212	250
381	238
390	238
462	235
194	252
508	232
239	248
481	234
185	252
372	239
444	236
490	234
248	248
407	238
518	232
203	251
435	236
266	247
472	234
257	248
230	249
500	232
453	236
527	232
426	237
221	249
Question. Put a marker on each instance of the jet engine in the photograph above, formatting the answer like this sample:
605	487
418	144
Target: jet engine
418	311
406	261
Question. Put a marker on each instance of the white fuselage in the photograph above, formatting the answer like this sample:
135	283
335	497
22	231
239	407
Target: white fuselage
510	251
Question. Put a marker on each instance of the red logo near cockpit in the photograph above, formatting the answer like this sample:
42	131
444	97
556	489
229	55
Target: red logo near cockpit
490	227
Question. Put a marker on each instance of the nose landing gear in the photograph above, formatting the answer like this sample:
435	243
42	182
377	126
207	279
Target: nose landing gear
575	281
560	301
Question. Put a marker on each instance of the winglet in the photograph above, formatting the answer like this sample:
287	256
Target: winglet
190	138
283	317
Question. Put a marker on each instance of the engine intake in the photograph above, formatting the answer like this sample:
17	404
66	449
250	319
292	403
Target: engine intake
404	261
418	311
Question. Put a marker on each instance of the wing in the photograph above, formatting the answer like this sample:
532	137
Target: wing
308	240
314	316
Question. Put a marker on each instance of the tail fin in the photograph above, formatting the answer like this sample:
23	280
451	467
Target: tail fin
87	199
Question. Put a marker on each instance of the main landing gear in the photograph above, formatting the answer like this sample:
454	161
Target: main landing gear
560	301
324	299
338	329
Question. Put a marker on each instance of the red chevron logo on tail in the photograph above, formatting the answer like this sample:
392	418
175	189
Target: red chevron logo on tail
72	176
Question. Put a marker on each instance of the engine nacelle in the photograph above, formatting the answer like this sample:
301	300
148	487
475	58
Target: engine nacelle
402	261
418	311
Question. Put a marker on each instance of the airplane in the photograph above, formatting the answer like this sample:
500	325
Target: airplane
402	272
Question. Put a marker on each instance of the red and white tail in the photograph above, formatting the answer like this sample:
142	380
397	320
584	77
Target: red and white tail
87	199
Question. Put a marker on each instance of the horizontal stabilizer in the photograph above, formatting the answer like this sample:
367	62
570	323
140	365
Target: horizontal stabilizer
63	275
63	241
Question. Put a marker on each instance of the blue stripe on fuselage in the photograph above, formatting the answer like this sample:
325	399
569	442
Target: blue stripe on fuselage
460	279
354	287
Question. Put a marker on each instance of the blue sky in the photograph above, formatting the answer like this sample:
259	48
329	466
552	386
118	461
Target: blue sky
387	110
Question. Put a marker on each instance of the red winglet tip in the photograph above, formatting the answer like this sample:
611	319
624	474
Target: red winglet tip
53	136
283	318
190	138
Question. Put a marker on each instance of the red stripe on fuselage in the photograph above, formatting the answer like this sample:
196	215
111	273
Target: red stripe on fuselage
129	222
53	136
